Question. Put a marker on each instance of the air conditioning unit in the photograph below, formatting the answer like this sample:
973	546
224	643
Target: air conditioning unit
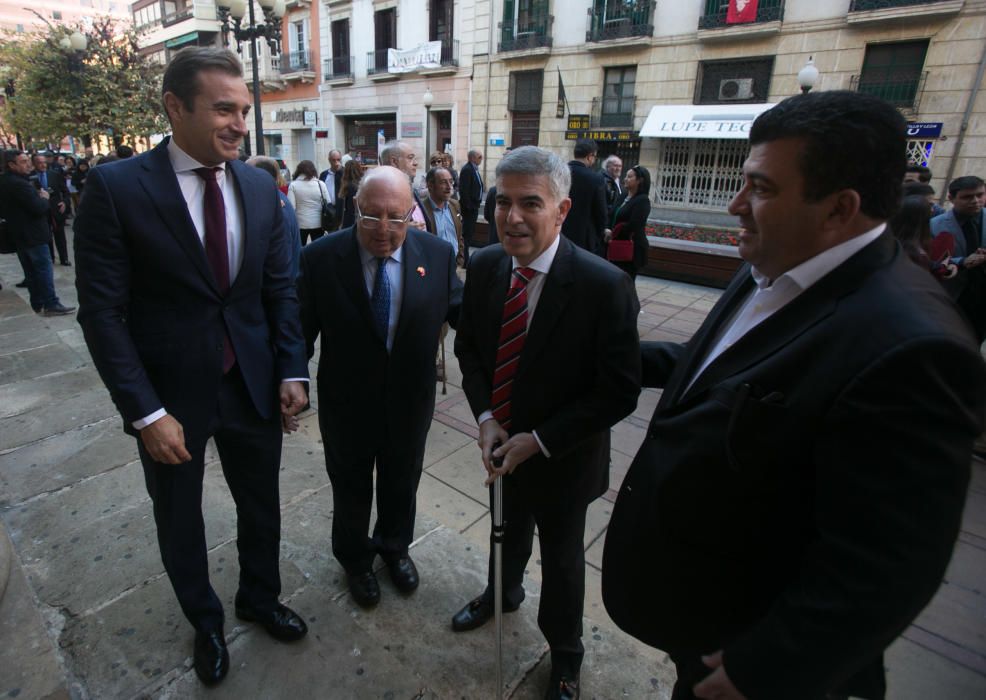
736	89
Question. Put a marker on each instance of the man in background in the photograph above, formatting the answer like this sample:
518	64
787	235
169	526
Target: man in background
587	220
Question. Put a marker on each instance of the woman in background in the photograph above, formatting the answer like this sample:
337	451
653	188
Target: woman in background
352	173
630	219
306	194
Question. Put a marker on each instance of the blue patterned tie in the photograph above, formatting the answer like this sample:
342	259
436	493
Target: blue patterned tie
380	301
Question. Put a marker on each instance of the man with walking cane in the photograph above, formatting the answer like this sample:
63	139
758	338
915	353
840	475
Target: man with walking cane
548	347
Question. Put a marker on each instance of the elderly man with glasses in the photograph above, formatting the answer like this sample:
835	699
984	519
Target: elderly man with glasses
378	294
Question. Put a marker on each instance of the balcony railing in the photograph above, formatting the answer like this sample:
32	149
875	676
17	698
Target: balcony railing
864	5
296	61
179	16
621	22
534	32
612	112
338	68
715	13
450	52
902	91
376	61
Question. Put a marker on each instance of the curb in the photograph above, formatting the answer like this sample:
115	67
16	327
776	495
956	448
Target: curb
6	552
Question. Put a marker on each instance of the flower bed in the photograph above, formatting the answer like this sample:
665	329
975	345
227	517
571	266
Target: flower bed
685	232
693	254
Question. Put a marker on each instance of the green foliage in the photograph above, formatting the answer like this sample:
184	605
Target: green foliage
109	88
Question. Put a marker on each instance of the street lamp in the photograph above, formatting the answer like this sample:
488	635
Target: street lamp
808	76
427	100
269	30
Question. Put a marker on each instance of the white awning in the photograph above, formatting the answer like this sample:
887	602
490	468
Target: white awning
701	121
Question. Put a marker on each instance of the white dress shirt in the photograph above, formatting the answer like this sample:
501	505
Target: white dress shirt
395	273
770	297
541	266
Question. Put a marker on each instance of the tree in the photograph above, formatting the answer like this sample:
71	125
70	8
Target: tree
109	88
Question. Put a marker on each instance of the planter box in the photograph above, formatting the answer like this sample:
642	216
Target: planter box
708	264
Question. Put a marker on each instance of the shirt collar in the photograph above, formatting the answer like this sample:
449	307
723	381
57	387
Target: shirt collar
542	263
182	162
366	256
813	269
435	206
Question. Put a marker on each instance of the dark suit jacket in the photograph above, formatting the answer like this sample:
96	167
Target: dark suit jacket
336	181
948	223
489	213
470	190
587	218
579	372
58	190
429	211
367	398
798	504
149	306
633	215
25	211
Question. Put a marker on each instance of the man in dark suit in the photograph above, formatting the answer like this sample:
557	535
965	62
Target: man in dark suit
967	225
53	182
547	342
378	294
586	223
332	176
471	190
188	306
798	492
25	207
612	171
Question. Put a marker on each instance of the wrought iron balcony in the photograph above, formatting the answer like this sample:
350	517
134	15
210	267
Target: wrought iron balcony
178	16
450	52
376	62
864	5
296	61
903	90
338	68
534	32
629	19
612	112
716	10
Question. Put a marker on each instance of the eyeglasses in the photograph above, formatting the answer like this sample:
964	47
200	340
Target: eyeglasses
373	223
436	161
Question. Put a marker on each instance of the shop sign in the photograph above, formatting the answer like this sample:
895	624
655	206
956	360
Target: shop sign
411	130
925	130
578	122
601	135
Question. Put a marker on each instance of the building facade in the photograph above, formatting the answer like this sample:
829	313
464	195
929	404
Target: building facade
674	86
17	17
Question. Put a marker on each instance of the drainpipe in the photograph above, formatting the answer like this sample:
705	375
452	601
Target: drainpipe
489	85
965	123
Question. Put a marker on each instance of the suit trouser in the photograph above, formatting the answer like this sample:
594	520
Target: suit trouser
398	472
250	452
469	217
58	241
561	532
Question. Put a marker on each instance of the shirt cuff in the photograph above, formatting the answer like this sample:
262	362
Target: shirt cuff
483	417
544	449
296	379
147	420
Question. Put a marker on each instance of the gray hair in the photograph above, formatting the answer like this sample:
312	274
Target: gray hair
534	161
390	151
610	159
267	164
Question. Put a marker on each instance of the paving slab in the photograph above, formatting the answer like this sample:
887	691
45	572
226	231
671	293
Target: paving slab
38	361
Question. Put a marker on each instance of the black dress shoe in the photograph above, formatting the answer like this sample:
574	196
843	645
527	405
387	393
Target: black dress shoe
58	310
283	623
476	614
562	688
22	284
404	574
365	589
211	657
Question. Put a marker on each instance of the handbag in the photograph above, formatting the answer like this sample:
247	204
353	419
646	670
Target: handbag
619	250
328	212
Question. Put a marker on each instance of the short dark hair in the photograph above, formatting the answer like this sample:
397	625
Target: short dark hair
181	78
924	173
10	155
643	174
269	166
850	141
585	148
922	188
966	182
430	175
124	151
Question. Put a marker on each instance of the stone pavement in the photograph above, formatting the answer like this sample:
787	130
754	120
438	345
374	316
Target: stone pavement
86	611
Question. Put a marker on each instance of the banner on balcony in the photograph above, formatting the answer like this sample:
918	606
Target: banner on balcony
421	57
741	11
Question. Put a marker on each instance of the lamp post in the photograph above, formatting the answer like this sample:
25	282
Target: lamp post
808	76
427	101
231	14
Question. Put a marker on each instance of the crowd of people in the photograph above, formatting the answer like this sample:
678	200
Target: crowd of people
797	495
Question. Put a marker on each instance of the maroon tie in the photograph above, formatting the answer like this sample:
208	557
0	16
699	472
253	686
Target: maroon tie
513	331
214	211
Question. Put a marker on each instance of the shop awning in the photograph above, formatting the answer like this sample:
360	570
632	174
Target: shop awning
701	121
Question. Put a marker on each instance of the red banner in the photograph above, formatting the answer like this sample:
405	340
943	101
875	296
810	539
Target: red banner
741	11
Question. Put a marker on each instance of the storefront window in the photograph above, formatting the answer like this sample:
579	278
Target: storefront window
700	173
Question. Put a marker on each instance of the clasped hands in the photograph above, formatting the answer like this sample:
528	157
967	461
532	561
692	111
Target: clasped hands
164	439
513	450
975	259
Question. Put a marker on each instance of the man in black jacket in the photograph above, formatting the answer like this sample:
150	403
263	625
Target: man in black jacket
586	221
53	181
26	211
471	190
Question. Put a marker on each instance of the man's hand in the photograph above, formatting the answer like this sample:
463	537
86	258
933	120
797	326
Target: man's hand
490	433
289	424
513	451
717	684
293	398
44	194
164	440
61	207
974	259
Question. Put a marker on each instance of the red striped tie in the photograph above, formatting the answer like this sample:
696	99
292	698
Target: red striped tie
513	330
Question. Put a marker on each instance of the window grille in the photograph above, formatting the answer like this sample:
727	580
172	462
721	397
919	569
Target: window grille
705	173
919	152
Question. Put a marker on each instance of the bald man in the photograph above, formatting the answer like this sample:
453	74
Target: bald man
378	294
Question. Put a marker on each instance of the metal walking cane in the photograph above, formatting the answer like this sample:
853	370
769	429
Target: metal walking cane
498	572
